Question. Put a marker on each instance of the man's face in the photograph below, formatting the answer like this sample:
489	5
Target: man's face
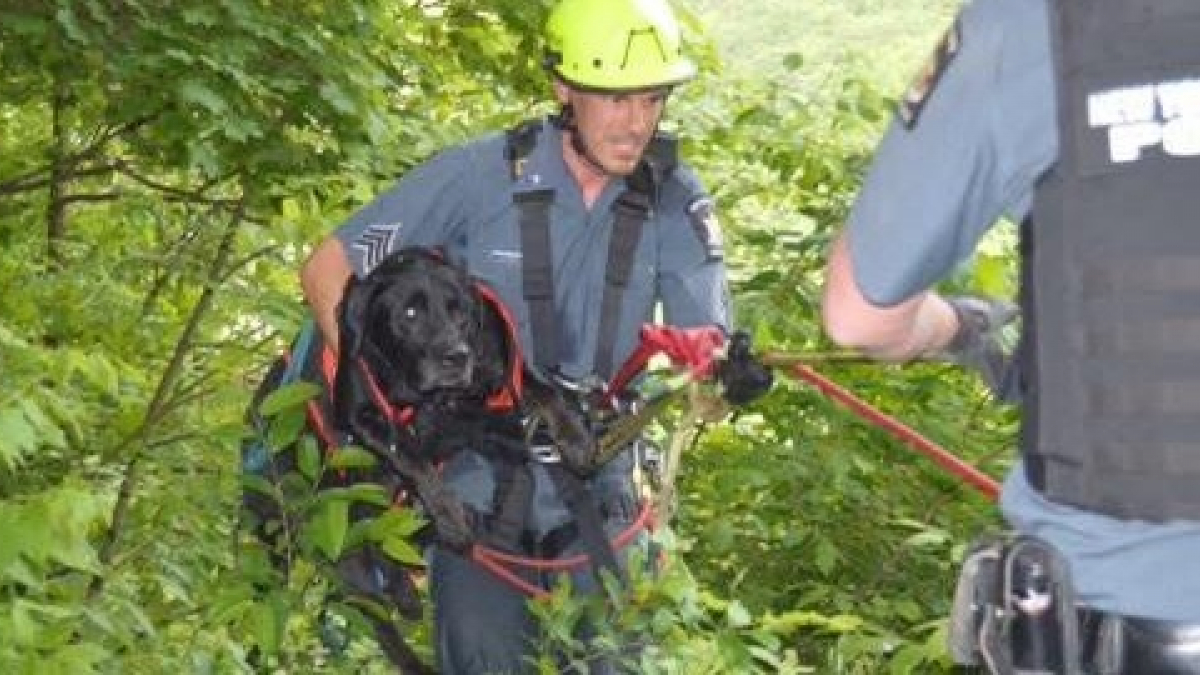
615	127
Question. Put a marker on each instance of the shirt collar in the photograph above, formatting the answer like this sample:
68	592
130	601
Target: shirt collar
545	169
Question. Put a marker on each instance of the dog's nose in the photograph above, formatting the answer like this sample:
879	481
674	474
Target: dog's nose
456	357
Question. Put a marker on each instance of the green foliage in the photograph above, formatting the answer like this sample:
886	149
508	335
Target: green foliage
163	174
814	46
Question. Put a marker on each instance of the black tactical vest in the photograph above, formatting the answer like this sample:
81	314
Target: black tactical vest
1111	287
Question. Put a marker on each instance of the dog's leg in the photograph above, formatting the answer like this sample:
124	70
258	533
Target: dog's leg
447	512
567	431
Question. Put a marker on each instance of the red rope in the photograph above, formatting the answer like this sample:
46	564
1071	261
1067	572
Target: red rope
496	561
976	478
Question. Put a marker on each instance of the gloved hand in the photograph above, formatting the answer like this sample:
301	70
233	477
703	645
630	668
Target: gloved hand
979	343
742	375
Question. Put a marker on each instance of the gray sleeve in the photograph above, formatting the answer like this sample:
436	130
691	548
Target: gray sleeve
426	207
691	275
984	135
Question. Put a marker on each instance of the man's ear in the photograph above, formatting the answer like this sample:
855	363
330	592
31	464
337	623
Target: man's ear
562	92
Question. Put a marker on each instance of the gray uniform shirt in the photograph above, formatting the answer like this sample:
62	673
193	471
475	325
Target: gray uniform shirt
462	201
984	136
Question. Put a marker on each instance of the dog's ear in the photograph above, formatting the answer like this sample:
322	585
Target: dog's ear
490	344
353	409
352	316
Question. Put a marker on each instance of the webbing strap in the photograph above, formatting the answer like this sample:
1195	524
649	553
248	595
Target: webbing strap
513	495
579	502
630	212
537	273
299	353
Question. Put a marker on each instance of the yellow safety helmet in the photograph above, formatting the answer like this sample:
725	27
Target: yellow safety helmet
616	45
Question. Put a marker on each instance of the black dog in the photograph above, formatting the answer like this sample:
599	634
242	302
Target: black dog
417	334
425	361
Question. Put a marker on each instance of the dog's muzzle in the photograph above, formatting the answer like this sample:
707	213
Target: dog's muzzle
449	369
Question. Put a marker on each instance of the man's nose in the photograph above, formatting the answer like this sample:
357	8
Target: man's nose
639	115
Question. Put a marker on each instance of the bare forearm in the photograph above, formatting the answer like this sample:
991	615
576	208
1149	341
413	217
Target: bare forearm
924	328
323	280
918	326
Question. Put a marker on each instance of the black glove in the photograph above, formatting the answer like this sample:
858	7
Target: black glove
742	376
979	343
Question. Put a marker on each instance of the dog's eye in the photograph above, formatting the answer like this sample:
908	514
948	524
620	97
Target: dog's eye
411	312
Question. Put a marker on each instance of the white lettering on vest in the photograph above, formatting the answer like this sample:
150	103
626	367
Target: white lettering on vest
1166	114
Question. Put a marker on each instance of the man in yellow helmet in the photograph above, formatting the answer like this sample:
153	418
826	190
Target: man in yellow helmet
583	223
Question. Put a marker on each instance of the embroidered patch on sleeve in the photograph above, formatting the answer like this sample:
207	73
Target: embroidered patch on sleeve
929	76
375	243
702	212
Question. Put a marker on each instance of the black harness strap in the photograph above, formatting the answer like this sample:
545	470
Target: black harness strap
505	527
592	537
537	273
630	212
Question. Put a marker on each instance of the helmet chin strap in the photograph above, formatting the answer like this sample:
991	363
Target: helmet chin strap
566	122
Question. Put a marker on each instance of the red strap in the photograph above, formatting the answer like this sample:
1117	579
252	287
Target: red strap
976	478
506	398
693	348
498	562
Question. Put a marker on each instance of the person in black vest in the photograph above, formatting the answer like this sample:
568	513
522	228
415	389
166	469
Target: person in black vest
595	179
1079	119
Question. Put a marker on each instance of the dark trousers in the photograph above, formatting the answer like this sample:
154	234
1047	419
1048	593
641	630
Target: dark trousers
482	625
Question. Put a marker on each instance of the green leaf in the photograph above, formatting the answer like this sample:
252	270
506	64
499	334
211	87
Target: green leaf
396	523
336	96
826	556
326	528
393	531
308	458
194	91
253	482
288	396
25	628
267	624
402	551
96	369
286	428
17	437
352	457
67	20
736	615
367	493
49	434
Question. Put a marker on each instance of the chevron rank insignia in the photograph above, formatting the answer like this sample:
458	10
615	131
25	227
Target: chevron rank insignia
375	243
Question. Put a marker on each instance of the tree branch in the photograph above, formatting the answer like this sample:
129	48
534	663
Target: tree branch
131	479
31	180
239	264
39	179
97	197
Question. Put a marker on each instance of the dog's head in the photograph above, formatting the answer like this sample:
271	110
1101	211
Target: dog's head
417	329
